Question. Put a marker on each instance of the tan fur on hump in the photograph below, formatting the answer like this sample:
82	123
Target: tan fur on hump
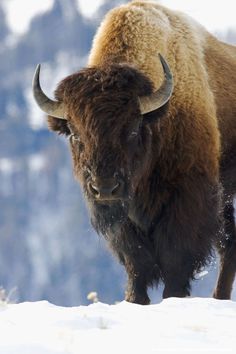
135	33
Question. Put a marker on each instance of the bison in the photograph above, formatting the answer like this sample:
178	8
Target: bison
152	128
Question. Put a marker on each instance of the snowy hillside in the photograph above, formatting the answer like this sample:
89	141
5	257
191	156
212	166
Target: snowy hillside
175	326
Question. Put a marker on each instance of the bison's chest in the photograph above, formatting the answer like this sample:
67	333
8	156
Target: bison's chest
113	218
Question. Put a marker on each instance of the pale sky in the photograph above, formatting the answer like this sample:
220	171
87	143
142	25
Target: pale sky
214	15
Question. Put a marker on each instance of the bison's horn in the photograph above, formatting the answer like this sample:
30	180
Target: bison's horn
162	95
52	108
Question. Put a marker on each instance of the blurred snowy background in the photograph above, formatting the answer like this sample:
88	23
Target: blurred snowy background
48	249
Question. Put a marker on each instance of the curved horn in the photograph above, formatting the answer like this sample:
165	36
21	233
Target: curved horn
52	108
162	95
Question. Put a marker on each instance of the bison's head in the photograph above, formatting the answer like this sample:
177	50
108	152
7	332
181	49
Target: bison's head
107	113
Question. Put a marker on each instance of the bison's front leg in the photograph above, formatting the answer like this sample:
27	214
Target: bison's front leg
136	253
186	233
137	287
177	278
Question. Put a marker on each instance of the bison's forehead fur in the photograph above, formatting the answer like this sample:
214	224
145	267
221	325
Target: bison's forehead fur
102	100
102	108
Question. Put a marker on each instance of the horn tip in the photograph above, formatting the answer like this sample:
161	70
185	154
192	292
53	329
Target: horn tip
161	58
36	75
38	67
165	66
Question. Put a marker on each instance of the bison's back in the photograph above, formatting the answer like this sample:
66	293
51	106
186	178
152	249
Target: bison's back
221	65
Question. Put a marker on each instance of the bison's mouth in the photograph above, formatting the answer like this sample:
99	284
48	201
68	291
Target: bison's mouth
112	201
107	215
114	207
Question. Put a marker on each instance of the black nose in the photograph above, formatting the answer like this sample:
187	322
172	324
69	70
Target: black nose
106	189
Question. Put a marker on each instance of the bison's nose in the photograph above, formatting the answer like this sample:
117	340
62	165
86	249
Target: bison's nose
109	189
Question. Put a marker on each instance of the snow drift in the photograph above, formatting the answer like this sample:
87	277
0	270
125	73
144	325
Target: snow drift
175	325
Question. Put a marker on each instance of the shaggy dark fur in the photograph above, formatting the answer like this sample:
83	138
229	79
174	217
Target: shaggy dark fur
226	244
165	223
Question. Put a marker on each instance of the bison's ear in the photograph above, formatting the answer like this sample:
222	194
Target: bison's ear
58	125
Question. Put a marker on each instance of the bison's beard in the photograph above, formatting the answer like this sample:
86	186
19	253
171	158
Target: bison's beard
108	217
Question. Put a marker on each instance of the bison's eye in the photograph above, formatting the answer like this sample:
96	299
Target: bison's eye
132	135
74	138
76	142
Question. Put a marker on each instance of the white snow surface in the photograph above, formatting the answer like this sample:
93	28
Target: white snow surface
190	325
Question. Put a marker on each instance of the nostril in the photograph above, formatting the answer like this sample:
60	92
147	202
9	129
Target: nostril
108	189
93	189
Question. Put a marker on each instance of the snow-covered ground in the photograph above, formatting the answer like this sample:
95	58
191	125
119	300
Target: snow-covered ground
192	325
